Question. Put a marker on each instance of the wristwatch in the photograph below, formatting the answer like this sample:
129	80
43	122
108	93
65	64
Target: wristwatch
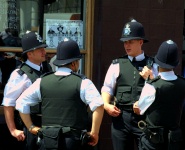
31	127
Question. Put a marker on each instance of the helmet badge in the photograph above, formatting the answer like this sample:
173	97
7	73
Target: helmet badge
38	37
127	30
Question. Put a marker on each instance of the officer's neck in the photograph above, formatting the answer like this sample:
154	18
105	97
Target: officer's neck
164	69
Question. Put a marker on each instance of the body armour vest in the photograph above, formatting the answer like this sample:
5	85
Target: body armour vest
32	75
129	82
167	108
61	102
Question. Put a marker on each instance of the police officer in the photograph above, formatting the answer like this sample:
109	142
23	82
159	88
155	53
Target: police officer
162	101
123	81
20	79
65	96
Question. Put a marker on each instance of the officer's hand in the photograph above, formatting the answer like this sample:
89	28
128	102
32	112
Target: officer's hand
35	130
136	108
18	134
112	110
94	139
146	72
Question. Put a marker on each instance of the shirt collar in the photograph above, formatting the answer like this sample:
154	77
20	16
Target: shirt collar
138	57
63	71
34	66
170	75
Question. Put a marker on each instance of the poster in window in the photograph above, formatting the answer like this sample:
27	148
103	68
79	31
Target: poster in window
58	30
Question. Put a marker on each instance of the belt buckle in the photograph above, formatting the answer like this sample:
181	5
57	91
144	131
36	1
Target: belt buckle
142	124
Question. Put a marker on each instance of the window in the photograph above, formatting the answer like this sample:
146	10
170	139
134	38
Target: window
70	18
19	16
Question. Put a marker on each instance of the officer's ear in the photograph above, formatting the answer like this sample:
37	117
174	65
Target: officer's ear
72	65
141	42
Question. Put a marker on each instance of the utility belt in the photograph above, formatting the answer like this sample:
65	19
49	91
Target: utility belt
125	107
54	135
158	134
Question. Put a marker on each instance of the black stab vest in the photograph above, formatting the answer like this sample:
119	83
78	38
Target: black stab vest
129	82
61	102
167	108
32	75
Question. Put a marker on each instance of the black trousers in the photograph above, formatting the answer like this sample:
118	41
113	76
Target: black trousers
68	143
125	131
31	140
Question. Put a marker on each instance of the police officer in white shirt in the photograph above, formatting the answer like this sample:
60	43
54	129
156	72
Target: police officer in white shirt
20	79
65	96
162	100
124	80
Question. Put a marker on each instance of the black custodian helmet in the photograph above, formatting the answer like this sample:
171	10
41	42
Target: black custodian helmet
31	41
167	55
133	30
67	52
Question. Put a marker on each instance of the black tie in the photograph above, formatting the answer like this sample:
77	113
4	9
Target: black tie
134	62
134	59
41	69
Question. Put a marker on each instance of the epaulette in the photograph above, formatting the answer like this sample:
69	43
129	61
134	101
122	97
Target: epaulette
20	72
154	79
180	76
79	75
46	74
115	61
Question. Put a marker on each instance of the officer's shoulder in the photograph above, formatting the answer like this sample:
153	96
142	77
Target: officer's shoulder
115	61
82	76
20	71
180	76
154	80
46	74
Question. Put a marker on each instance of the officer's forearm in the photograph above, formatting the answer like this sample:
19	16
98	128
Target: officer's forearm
106	97
26	119
9	116
97	119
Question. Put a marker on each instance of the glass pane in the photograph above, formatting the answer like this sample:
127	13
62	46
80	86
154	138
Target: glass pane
18	16
63	19
10	23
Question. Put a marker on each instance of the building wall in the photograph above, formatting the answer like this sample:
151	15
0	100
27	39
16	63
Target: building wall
162	20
